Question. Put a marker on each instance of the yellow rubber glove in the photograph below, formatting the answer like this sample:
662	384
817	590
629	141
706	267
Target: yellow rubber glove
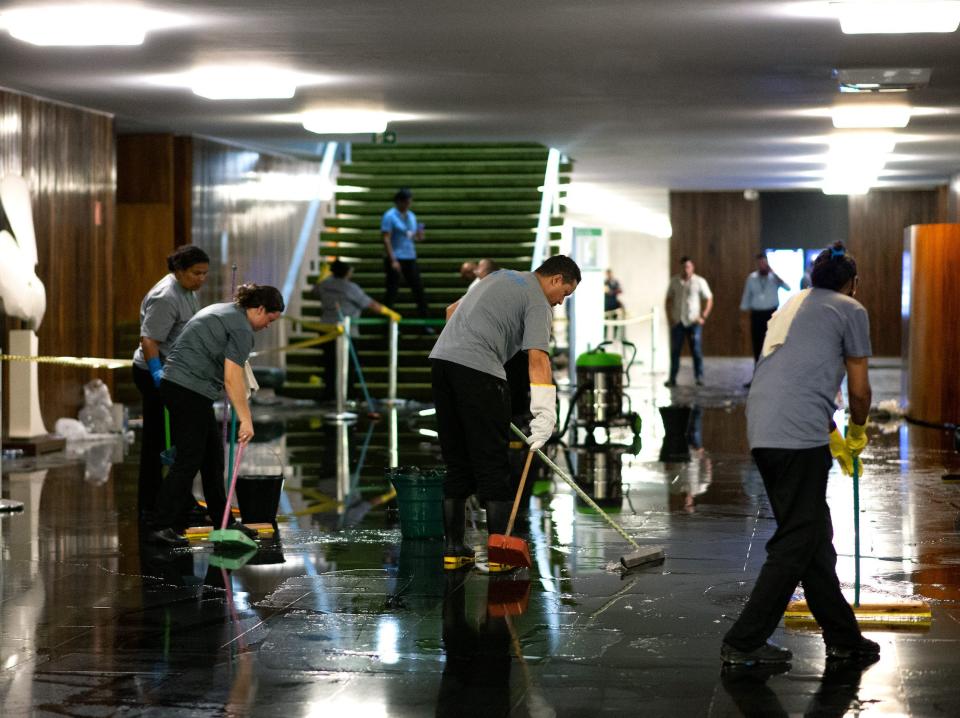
856	438
390	314
838	447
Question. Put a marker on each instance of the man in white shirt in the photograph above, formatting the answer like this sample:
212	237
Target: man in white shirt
760	298
689	303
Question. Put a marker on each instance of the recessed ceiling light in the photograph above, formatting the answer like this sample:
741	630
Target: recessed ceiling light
85	25
897	16
346	122
243	83
870	116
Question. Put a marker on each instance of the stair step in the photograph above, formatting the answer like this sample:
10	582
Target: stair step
427	251
443	222
402	153
417	181
384	196
432	210
429	167
445	236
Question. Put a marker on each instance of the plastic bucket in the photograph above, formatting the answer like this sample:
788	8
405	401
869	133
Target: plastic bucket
258	497
420	498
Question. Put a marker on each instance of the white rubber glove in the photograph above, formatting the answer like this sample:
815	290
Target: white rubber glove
543	406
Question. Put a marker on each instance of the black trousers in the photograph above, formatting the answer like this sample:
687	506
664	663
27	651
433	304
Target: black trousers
330	373
152	441
473	420
801	550
411	275
196	434
758	329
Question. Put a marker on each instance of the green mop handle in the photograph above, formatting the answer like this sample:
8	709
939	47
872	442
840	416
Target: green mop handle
583	494
166	427
856	531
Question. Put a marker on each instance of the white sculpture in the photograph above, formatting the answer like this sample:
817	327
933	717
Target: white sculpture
23	296
21	290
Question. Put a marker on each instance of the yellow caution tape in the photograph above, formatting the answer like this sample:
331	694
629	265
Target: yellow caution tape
322	339
83	362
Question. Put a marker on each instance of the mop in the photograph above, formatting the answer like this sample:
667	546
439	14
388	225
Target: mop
372	412
504	548
638	557
232	538
905	614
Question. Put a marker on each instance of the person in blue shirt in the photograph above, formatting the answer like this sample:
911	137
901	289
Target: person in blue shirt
761	299
400	233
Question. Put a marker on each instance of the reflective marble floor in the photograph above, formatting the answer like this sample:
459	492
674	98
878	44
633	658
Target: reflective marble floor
340	616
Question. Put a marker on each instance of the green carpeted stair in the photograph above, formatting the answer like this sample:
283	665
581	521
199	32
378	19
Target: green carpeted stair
476	200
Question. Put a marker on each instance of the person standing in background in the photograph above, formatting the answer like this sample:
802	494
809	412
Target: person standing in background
400	232
685	308
760	298
164	312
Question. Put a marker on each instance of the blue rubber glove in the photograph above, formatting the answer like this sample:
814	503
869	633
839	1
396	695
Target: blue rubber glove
156	370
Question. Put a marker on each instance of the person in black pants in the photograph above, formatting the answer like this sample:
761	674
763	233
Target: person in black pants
760	298
505	313
164	312
813	339
400	232
209	355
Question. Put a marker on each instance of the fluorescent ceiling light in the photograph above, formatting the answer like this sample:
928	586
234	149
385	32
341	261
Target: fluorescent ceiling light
85	25
897	16
346	122
243	83
840	188
870	116
855	161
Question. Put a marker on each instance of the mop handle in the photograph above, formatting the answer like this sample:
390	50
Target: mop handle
356	365
226	401
580	492
856	531
233	485
516	500
166	427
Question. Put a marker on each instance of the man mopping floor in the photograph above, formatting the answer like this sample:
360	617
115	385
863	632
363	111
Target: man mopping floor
505	313
815	337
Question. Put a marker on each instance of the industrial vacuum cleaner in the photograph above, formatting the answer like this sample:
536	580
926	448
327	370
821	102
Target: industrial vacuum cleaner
599	400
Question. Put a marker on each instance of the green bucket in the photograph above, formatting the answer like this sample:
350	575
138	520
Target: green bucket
420	498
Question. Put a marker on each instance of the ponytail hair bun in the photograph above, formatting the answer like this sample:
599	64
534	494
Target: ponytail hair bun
833	268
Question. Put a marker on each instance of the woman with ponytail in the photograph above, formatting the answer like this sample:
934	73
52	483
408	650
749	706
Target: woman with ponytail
208	356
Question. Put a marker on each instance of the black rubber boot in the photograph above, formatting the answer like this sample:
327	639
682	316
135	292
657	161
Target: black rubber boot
456	554
498	516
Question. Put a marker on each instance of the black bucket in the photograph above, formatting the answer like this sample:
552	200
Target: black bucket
258	497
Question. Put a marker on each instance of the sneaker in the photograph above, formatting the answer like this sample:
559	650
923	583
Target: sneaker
168	537
670	382
767	653
864	649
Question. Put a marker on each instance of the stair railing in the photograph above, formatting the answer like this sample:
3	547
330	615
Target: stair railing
548	208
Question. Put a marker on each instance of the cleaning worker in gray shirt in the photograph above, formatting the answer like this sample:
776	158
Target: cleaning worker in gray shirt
340	296
505	313
812	341
210	354
164	312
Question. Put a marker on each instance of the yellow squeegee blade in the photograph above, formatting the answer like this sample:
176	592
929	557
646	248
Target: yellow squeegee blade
908	615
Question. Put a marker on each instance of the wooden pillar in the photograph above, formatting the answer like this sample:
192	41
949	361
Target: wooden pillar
931	343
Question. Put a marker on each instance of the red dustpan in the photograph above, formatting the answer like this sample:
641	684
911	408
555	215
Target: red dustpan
507	549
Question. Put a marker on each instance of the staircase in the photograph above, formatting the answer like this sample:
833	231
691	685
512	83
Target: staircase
475	200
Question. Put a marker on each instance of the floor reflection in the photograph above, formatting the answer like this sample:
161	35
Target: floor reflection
338	612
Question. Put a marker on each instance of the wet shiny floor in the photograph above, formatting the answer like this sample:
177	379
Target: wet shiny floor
338	613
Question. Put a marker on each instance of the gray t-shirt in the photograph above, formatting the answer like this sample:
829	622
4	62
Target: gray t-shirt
334	291
791	399
164	312
217	332
505	313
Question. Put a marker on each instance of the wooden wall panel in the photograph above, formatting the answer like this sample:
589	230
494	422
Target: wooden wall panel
877	222
720	231
67	156
932	364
